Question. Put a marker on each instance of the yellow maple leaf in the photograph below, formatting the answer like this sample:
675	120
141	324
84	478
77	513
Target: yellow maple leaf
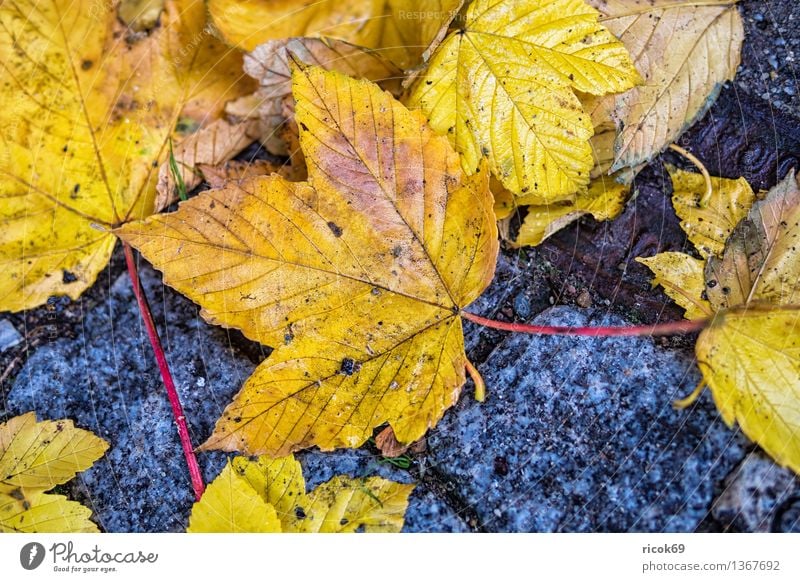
503	87
357	277
87	110
403	30
35	457
266	495
685	50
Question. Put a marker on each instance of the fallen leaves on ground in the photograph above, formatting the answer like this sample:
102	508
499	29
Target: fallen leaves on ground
709	225
403	31
750	353
268	64
269	496
356	277
503	87
685	50
34	458
88	107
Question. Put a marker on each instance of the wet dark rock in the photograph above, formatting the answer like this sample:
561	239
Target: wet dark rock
753	494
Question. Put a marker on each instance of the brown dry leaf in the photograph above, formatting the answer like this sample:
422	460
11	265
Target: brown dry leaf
709	226
357	277
388	444
685	50
215	144
265	495
236	171
405	31
87	112
761	261
269	65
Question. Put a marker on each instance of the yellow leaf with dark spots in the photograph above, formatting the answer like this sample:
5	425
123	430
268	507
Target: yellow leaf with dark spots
751	361
503	87
681	276
249	493
356	277
761	261
87	110
685	50
35	457
709	226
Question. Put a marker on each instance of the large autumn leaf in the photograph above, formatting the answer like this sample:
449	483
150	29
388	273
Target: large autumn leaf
34	458
503	87
269	496
403	30
750	353
87	109
685	50
357	277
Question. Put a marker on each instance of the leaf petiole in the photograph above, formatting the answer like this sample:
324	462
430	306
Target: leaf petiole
670	328
166	375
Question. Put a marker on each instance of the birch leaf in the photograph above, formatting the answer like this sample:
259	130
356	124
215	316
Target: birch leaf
245	496
35	457
230	505
87	110
503	87
751	361
685	50
356	277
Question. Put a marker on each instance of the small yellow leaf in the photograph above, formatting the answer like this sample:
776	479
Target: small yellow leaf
37	456
681	276
246	495
37	512
346	505
761	261
41	455
86	115
231	505
709	226
503	87
604	200
403	30
751	361
356	277
685	50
